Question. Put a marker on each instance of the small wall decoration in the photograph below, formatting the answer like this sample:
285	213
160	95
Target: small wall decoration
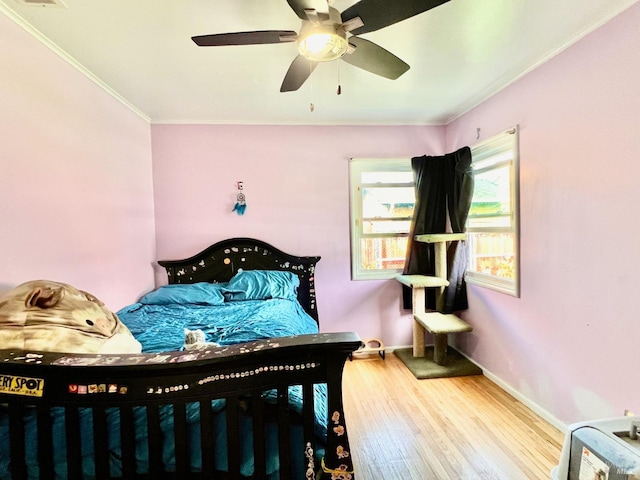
241	200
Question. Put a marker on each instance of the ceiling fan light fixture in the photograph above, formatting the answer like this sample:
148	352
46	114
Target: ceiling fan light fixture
327	34
322	44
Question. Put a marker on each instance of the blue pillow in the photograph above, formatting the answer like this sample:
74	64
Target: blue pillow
262	285
202	293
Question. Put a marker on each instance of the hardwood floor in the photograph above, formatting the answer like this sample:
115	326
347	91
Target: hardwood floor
402	428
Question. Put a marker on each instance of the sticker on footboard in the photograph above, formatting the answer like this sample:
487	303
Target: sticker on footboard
31	387
591	467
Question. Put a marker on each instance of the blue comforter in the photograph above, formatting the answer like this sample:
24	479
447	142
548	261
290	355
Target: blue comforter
160	328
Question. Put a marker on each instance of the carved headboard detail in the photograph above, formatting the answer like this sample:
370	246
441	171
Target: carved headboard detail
219	262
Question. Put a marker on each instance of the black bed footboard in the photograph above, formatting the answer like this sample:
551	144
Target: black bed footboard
266	410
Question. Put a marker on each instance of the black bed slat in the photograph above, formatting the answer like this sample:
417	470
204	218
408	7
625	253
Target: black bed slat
127	441
308	415
284	435
233	436
181	439
100	443
259	456
154	436
45	443
74	453
207	439
336	435
16	437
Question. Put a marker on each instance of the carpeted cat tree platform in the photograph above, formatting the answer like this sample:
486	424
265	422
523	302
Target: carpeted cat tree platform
455	364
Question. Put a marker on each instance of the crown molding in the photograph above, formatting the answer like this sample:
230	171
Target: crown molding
10	13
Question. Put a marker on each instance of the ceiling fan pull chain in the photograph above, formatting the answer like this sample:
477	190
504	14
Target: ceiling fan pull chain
311	105
339	90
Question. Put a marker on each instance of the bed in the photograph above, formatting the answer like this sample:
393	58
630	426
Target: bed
257	404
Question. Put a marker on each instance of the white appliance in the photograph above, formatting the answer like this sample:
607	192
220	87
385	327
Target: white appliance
607	449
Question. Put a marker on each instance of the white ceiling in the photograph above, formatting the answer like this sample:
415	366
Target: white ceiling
460	53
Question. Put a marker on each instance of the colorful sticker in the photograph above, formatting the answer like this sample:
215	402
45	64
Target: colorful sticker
591	467
31	387
96	388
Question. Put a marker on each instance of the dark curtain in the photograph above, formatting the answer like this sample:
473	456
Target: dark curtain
444	188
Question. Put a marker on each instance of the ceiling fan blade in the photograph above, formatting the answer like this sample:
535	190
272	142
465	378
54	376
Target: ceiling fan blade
299	6
245	38
375	59
297	74
377	14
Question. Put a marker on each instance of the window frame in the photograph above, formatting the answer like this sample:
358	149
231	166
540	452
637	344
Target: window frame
506	141
356	167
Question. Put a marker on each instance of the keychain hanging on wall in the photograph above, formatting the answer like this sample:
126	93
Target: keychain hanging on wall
241	201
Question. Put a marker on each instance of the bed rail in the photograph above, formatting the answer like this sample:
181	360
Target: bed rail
44	386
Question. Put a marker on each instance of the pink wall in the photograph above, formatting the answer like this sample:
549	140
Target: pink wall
76	194
570	343
297	187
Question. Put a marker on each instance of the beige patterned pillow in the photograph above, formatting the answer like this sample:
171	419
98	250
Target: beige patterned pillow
50	316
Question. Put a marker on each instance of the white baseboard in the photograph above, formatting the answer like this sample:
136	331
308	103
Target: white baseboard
533	406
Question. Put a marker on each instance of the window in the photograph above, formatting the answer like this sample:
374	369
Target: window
382	200
493	224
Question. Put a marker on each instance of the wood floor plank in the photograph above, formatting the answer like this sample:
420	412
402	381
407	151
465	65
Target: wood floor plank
439	429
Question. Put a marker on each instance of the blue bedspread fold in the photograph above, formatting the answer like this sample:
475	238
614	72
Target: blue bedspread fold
160	328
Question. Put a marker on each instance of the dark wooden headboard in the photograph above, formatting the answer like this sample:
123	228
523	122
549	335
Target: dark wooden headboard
219	262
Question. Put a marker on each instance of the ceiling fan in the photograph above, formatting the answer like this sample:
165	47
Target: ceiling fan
326	35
